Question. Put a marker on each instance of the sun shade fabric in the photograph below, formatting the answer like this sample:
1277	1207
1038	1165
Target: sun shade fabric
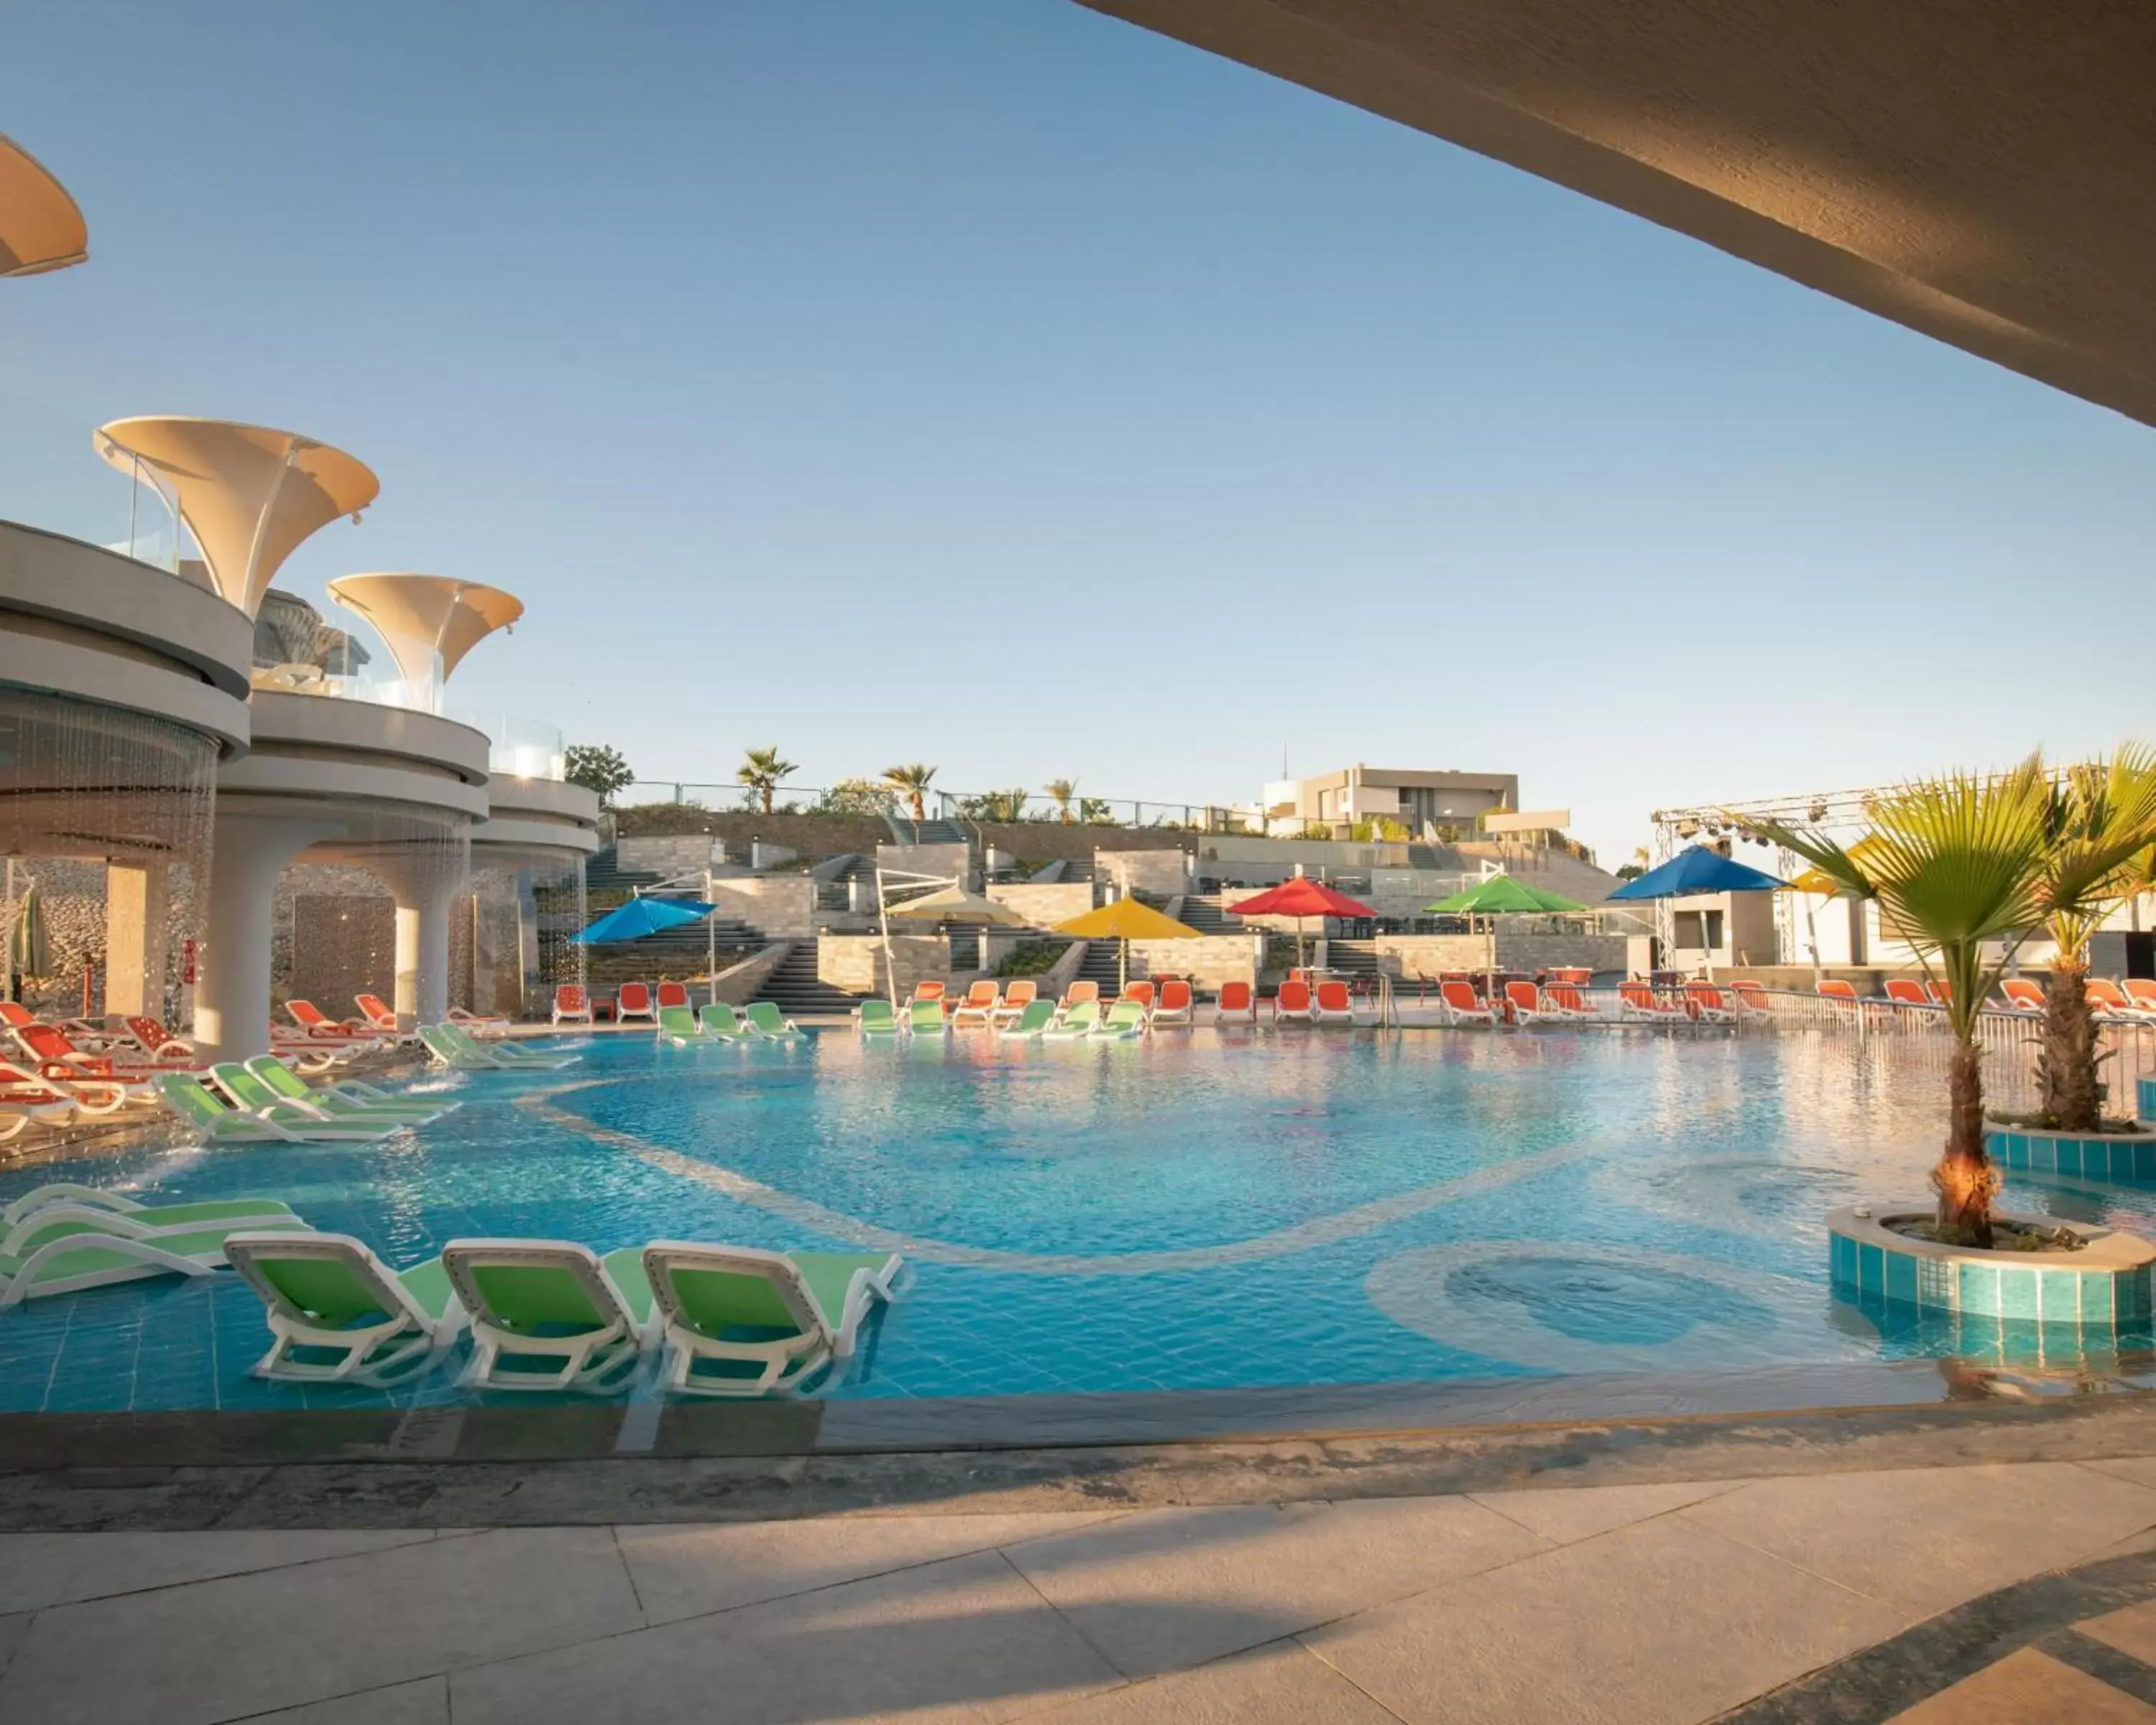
1698	870
951	904
41	227
1501	895
419	616
641	917
1127	918
249	494
1301	897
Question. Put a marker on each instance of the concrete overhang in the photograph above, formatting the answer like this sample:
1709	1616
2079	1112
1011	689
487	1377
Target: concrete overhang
316	753
539	819
1978	170
82	622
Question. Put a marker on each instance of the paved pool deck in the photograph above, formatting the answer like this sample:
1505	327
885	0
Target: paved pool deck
1986	1561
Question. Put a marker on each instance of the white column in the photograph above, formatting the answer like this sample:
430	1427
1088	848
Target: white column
232	1001
425	894
135	908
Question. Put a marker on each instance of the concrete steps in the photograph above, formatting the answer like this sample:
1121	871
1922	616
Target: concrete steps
794	988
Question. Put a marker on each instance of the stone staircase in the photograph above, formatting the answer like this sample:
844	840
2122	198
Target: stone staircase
1351	957
1101	965
906	830
1202	912
795	988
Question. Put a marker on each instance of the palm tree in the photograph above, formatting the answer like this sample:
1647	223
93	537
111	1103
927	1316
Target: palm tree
912	782
1060	791
1958	865
2101	825
761	771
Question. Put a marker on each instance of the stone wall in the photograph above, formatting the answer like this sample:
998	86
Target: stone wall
677	853
1429	955
775	905
1162	873
952	861
819	835
1046	905
343	945
1208	960
855	963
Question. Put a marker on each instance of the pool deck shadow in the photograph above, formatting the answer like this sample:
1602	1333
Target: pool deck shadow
555	1466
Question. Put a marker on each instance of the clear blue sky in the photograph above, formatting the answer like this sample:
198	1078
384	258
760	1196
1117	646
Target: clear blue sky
991	384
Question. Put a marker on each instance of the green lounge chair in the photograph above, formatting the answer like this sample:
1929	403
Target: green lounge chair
678	1025
549	1314
720	1020
1032	1021
924	1017
155	1217
451	1046
1125	1018
349	1098
309	1119
327	1294
780	1319
1075	1022
187	1096
63	1251
876	1019
767	1021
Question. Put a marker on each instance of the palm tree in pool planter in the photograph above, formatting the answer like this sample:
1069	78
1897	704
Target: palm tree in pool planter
2103	817
1958	866
761	771
912	782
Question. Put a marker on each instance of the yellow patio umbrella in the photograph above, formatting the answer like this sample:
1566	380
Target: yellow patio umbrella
1125	920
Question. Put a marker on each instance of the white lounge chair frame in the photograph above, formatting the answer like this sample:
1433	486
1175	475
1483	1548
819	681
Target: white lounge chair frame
412	1338
599	1361
787	1364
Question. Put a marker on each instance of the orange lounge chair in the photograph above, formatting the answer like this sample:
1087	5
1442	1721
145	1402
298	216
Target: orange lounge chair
318	1026
2112	1004
1141	992
1017	997
1905	991
1708	1004
1293	1002
978	1008
1526	1003
376	1013
1175	1004
13	1014
1334	1006
673	995
930	989
1237	1004
1942	993
1463	1007
572	1003
1085	992
1751	997
632	1001
158	1045
2141	990
1569	1000
65	1067
2022	996
1638	1002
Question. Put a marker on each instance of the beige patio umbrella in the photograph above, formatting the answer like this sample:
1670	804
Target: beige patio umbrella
954	904
421	617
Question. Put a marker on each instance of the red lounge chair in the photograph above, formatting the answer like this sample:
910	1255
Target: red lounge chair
377	1013
1708	1004
1463	1007
1334	1006
2112	1004
1903	991
1530	1005
1569	1000
13	1014
2141	990
1639	1003
315	1023
1238	1004
931	989
1942	993
64	1066
158	1045
24	1099
632	1001
572	1003
1293	1002
673	995
1141	992
978	1007
2023	996
1175	1004
1752	997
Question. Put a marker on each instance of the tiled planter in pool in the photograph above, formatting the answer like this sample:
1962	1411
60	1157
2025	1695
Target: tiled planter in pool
2128	1157
2144	1098
2107	1282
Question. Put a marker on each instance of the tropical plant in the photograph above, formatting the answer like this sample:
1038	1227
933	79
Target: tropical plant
1000	806
2100	828
912	782
597	767
854	799
1095	813
1062	792
762	770
1957	865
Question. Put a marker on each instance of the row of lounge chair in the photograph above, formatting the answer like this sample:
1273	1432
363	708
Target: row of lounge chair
734	1321
717	1021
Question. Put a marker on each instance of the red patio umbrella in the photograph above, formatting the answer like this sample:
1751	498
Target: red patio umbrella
1299	898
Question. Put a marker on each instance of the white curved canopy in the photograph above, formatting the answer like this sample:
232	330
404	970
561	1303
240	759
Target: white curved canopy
420	617
249	494
41	227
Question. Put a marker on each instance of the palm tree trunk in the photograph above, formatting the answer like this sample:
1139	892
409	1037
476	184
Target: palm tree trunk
2065	1063
1964	1179
768	791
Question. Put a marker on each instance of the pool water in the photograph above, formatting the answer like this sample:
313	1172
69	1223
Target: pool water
1201	1210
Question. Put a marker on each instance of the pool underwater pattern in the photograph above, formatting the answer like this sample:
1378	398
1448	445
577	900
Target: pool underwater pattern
1203	1210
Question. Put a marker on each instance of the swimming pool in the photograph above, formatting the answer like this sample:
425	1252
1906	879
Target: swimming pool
1201	1210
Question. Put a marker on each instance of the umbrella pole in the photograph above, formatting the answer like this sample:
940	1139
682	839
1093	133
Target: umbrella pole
710	945
1122	969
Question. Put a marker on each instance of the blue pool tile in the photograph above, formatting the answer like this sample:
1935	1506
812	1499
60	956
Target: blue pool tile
2144	1090
2044	1152
1938	1287
2144	1160
1901	1276
1871	1273
2070	1156
2017	1292
1980	1288
2099	1295
2059	1292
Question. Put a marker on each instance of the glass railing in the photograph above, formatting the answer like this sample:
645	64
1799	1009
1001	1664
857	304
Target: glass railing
523	748
52	476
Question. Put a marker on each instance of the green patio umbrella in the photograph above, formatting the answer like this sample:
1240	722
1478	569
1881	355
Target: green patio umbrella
1501	895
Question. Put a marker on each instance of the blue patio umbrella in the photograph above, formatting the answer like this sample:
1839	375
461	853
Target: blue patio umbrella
1698	870
640	916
